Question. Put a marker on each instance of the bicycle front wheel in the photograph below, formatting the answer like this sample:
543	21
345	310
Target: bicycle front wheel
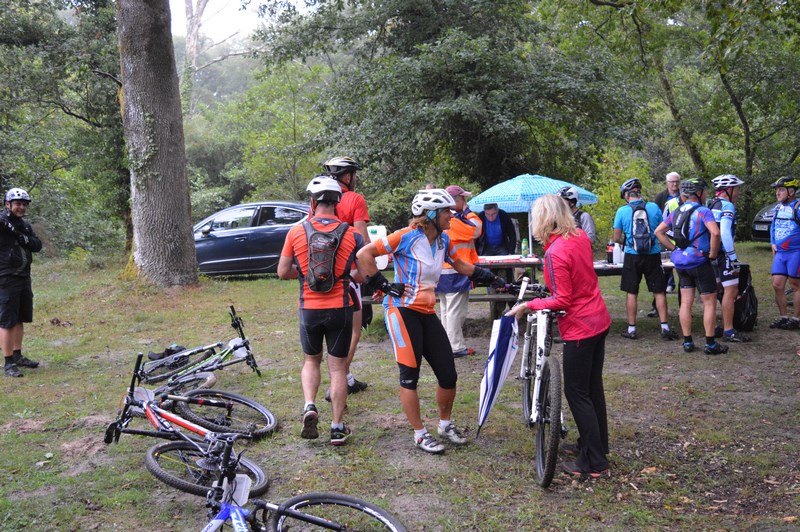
527	387
349	513
182	466
548	425
227	412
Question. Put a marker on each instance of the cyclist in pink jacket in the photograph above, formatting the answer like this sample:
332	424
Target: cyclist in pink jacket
570	276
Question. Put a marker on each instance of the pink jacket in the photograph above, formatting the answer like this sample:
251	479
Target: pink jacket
570	276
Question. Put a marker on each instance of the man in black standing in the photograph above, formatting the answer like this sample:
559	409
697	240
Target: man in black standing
17	242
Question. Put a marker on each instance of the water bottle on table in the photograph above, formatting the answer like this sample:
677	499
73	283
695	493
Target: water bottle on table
524	253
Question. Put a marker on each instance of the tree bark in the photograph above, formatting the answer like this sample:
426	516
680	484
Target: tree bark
684	134
151	115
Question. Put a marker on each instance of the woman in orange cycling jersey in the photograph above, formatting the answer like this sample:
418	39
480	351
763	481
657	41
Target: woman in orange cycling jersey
419	251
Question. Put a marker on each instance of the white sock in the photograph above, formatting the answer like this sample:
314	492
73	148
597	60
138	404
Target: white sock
350	379
444	422
419	433
337	426
665	326
631	329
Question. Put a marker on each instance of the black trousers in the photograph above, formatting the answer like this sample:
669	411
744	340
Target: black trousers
583	387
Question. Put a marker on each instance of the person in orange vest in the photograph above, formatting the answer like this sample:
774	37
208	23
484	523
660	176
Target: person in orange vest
453	288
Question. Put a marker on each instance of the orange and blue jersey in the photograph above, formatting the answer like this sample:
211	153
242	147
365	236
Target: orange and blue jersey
418	264
465	228
296	246
784	233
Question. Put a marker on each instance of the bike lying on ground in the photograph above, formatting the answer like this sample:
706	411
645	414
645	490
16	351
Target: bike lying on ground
203	358
188	463
540	372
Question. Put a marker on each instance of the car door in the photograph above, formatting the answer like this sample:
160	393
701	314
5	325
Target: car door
267	239
221	244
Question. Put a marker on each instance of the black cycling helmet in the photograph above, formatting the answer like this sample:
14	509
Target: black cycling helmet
340	165
627	186
785	181
693	186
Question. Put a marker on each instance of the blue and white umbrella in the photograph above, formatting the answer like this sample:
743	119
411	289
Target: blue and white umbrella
502	352
519	193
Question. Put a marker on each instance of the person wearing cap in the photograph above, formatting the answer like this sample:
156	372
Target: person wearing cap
453	288
583	219
693	263
323	315
18	242
784	236
726	188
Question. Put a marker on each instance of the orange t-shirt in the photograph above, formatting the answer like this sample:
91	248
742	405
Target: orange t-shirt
296	246
352	208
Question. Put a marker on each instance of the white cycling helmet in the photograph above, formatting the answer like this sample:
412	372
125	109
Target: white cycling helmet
324	189
17	194
726	181
433	199
569	193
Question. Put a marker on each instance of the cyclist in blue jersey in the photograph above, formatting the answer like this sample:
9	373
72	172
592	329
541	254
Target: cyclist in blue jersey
784	235
693	263
727	192
635	264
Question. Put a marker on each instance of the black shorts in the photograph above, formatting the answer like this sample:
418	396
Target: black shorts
415	336
702	277
334	325
16	301
634	266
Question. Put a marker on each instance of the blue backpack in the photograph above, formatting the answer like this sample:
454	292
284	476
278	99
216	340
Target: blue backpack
640	223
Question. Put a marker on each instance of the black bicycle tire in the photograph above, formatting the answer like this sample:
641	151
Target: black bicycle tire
172	365
197	484
527	386
548	427
302	503
264	426
185	383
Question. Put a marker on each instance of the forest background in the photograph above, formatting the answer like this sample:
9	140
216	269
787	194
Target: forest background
446	91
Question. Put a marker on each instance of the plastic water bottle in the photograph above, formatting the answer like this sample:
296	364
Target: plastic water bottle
610	251
524	247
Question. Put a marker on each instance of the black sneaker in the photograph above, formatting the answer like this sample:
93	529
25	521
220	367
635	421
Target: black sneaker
357	386
715	349
571	468
25	362
779	323
791	324
629	336
570	449
310	421
652	314
12	370
736	337
340	436
669	334
688	346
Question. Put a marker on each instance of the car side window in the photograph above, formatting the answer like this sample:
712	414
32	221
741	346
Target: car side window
287	216
233	219
266	216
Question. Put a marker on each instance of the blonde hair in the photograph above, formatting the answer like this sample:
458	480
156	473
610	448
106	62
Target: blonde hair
551	215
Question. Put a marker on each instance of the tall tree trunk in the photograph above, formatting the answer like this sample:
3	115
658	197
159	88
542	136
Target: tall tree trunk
194	17
683	132
151	116
737	105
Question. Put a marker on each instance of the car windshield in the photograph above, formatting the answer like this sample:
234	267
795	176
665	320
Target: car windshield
279	216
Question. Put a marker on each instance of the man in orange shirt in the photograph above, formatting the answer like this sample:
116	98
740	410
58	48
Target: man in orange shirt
453	288
323	315
352	209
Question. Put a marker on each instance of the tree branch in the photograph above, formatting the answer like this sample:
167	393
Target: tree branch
221	58
110	76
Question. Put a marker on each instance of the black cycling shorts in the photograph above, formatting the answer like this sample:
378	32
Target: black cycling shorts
702	277
634	266
334	325
16	301
415	336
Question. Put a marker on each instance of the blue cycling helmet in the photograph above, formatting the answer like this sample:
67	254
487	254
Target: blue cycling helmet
627	186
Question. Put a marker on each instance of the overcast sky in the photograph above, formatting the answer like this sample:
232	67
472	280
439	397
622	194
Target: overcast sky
222	19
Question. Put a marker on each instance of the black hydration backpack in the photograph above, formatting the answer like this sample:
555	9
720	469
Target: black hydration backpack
681	222
640	224
322	249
